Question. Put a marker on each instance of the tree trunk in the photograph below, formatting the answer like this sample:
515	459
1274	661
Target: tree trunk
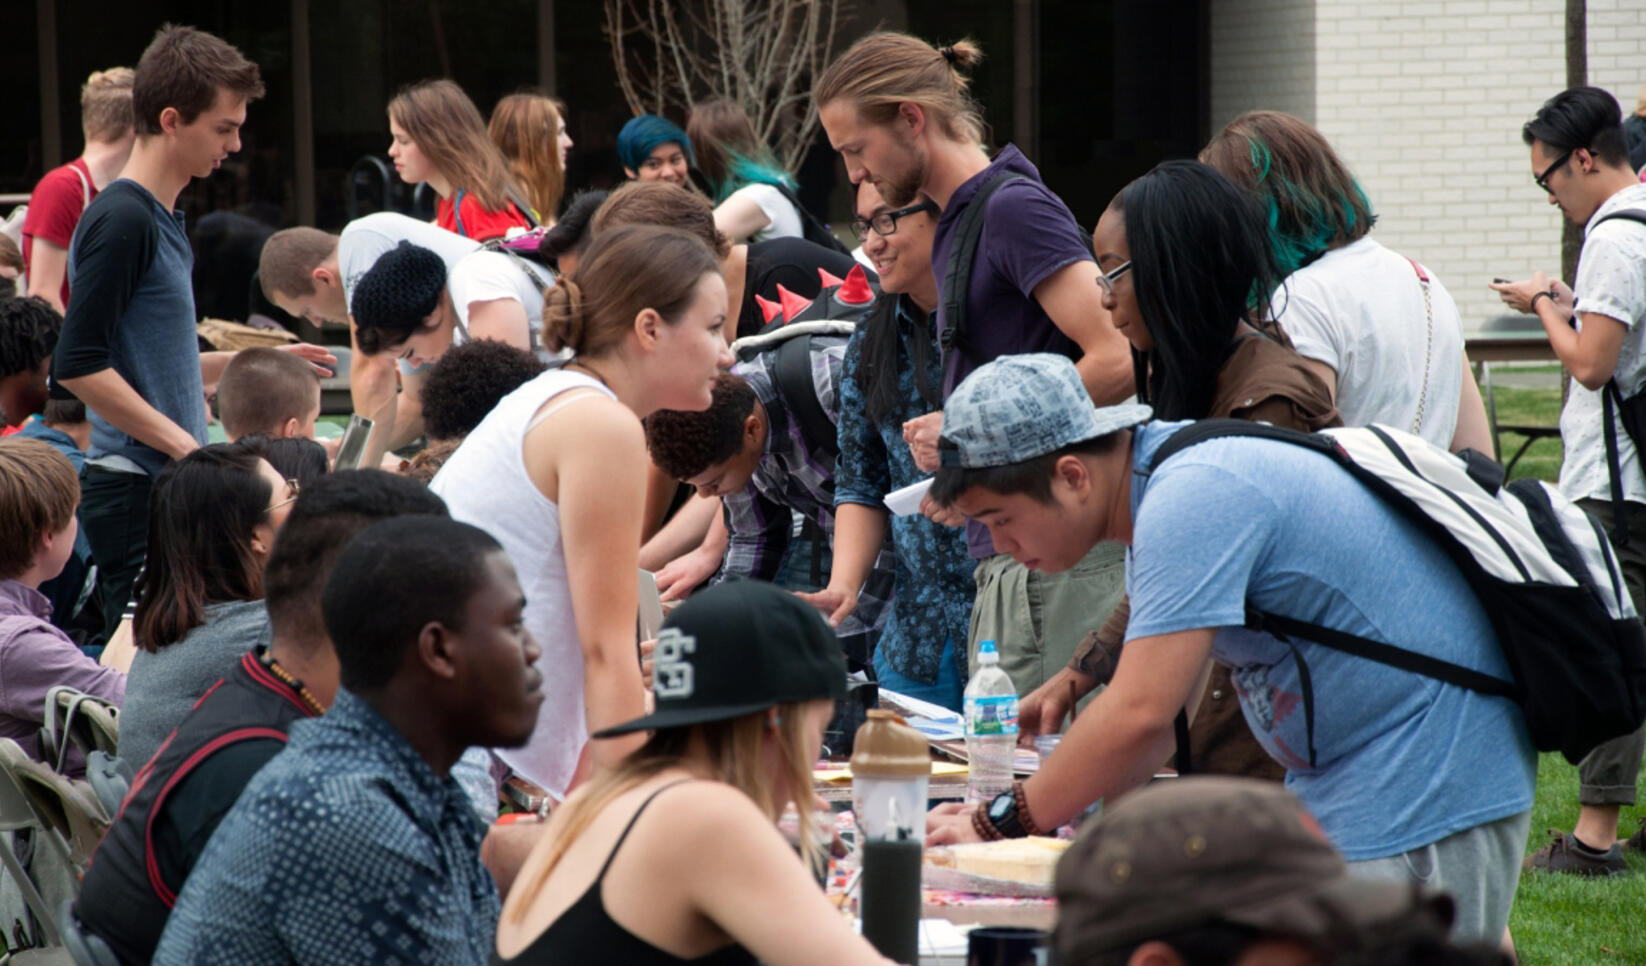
1577	75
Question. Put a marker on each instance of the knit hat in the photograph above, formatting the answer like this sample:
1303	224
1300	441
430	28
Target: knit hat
1192	851
1019	407
737	648
400	290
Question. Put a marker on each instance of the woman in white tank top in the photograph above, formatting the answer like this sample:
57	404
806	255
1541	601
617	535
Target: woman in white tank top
557	474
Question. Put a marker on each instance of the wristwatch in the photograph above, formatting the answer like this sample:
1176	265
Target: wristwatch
1008	814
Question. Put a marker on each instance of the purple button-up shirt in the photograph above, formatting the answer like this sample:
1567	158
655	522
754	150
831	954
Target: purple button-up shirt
36	657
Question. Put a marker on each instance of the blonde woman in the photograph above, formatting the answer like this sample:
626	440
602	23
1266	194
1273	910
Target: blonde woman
440	138
530	129
673	854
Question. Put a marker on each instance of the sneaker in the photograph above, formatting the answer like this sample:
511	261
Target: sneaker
1563	855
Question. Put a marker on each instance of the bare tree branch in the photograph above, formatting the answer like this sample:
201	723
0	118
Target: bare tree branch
762	54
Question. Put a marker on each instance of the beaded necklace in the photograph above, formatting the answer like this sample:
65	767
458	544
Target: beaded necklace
302	690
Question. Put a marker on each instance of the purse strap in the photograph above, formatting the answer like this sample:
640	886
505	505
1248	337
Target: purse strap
1428	344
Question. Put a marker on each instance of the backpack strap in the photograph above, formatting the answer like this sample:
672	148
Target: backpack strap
1627	214
957	272
457	211
1611	402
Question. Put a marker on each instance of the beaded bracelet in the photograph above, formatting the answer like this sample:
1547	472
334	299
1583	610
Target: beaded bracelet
1023	817
980	823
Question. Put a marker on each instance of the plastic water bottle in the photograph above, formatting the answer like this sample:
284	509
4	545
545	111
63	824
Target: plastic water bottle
991	726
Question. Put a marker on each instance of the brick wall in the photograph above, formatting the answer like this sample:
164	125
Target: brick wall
1424	101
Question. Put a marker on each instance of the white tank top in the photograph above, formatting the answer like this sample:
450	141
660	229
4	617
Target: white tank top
484	483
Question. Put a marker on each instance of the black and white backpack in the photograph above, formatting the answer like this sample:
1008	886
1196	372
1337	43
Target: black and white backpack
1542	568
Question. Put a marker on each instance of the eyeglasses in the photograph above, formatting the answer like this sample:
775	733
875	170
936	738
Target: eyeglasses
885	222
292	490
1542	180
1107	279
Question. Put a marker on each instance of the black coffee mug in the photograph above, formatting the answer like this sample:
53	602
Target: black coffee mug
1006	946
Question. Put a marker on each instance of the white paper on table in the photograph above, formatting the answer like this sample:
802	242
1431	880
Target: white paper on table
905	501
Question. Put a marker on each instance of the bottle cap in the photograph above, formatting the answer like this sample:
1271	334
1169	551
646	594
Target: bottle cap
886	747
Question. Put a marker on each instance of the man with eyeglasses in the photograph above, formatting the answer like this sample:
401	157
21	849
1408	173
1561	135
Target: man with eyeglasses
899	112
1580	159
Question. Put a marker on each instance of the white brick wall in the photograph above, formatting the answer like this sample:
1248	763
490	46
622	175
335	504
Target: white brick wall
1424	101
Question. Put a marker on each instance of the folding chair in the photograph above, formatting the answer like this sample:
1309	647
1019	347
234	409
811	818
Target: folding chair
92	725
16	815
73	717
68	809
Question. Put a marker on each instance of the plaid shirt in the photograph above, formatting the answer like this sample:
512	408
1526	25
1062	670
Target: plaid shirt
795	476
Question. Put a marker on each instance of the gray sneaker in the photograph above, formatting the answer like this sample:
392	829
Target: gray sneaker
1637	841
1563	855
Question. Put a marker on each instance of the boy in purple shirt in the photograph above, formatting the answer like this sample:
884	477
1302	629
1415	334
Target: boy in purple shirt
38	494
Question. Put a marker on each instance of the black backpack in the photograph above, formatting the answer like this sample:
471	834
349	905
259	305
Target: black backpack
1542	569
792	372
1632	413
957	272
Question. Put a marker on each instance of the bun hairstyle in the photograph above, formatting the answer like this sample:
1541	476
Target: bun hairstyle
886	69
624	271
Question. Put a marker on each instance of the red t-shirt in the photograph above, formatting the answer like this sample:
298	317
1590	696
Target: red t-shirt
478	223
55	208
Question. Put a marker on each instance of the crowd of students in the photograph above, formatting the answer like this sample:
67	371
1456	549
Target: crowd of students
333	672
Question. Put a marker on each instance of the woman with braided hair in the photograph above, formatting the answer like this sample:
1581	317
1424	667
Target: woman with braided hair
557	472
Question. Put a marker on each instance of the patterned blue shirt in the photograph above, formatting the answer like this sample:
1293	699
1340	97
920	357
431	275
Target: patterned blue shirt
345	848
795	476
932	600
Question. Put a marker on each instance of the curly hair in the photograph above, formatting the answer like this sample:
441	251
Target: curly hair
685	444
28	333
469	381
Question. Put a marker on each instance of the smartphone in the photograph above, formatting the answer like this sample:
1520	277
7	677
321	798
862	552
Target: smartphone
352	449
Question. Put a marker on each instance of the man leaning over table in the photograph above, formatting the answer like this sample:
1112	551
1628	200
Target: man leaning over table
1579	158
1405	772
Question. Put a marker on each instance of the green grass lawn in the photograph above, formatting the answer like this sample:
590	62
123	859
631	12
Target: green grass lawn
1562	919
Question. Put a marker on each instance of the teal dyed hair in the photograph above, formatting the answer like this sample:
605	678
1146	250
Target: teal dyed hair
742	171
1311	202
1318	222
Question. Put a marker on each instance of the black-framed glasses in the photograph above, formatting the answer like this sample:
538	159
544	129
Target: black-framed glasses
1107	279
885	222
1542	180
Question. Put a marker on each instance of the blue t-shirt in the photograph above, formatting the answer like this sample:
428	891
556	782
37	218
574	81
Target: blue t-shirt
1402	760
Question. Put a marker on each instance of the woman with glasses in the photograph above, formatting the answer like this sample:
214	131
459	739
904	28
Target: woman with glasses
893	372
1186	274
212	522
1377	326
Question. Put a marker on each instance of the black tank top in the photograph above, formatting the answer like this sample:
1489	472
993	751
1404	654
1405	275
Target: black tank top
585	933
